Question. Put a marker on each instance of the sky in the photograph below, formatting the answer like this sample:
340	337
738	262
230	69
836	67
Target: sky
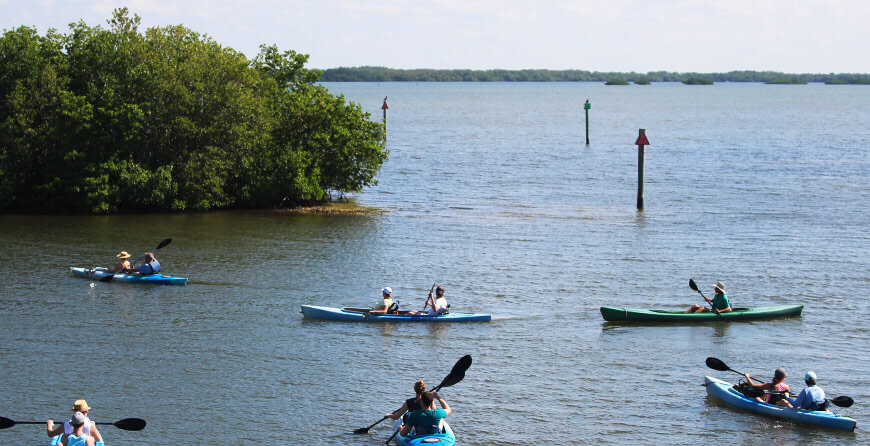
796	36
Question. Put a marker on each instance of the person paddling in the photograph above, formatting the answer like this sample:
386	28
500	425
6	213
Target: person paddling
719	302
437	305
77	437
778	385
411	404
151	266
812	397
90	428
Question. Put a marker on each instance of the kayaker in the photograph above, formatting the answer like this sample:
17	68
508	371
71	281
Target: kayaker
90	428
410	404
812	397
778	385
386	304
428	420
720	301
77	437
123	264
437	305
151	266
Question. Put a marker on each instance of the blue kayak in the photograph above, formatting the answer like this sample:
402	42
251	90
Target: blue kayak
725	392
152	279
362	315
445	438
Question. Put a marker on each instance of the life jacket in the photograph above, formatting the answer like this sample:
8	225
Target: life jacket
773	398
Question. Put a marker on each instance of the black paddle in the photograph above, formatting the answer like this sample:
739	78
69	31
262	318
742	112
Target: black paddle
429	296
841	401
716	364
456	375
128	424
109	277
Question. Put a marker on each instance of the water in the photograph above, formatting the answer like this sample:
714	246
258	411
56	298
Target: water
491	191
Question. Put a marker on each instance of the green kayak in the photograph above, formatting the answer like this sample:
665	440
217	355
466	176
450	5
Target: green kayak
739	314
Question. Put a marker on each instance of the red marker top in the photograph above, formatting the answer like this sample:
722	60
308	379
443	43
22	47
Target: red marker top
641	140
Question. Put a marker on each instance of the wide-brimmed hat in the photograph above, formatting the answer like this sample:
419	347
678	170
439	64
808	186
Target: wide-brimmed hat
81	406
123	255
78	419
720	286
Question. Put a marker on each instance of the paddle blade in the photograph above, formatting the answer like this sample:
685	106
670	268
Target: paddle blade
457	373
692	285
362	430
130	424
842	401
6	423
107	278
163	243
716	364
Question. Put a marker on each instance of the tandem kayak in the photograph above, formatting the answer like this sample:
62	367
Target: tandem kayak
725	392
153	279
445	438
739	314
360	315
55	441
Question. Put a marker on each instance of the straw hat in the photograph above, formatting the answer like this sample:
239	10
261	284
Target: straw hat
123	255
81	406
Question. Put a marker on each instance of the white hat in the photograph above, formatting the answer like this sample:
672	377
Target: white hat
720	286
387	290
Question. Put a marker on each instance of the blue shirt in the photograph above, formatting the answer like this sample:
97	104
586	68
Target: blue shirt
152	267
810	398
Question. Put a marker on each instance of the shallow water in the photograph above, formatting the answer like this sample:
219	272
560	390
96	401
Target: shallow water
491	191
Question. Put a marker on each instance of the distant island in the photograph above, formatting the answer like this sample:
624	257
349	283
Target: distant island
698	81
383	74
787	81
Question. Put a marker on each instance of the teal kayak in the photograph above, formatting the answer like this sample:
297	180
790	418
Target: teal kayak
55	441
445	438
725	392
362	315
739	314
153	279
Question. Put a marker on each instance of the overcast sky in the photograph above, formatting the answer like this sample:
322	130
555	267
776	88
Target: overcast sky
797	36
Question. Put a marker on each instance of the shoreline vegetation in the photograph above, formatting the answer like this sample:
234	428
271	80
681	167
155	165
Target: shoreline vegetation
383	74
106	121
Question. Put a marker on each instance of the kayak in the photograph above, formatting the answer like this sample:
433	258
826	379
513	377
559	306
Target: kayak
725	392
445	438
153	279
359	315
55	441
739	314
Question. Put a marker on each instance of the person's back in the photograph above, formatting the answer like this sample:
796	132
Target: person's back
428	420
151	265
812	397
439	304
77	437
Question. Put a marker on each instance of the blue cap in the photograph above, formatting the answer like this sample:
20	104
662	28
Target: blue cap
810	376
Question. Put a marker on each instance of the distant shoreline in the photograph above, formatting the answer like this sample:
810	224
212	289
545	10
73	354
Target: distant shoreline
383	74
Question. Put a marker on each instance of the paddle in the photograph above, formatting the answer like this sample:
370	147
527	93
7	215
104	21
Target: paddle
127	424
457	373
716	364
165	242
841	401
429	296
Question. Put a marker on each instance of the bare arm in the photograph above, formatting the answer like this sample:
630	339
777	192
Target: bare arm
397	414
53	430
443	404
94	432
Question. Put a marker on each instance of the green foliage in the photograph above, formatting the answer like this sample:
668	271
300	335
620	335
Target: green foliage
616	82
698	81
382	74
113	120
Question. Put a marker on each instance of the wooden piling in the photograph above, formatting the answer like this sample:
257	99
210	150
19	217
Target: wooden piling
385	107
641	142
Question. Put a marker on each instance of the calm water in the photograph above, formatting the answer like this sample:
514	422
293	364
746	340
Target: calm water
491	191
